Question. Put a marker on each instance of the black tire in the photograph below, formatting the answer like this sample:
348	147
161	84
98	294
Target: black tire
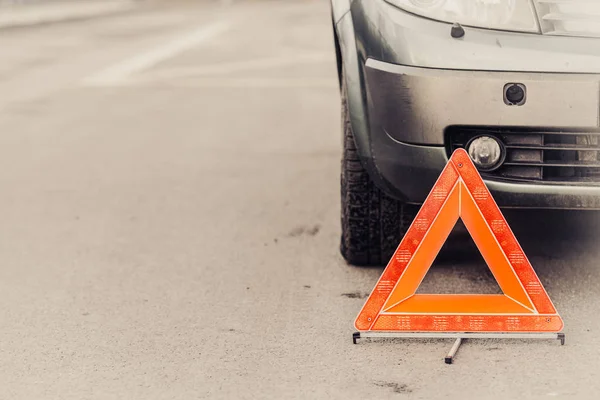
373	223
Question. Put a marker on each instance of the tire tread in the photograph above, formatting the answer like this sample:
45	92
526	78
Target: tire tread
373	223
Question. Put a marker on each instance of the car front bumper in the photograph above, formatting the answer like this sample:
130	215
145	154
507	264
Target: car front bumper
413	100
410	109
412	170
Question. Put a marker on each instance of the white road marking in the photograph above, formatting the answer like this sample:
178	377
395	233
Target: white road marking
239	66
249	83
119	73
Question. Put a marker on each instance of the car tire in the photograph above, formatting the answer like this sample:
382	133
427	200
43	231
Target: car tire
373	223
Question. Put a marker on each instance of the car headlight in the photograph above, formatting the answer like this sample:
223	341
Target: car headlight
510	15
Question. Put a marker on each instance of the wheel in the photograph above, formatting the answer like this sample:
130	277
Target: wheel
373	223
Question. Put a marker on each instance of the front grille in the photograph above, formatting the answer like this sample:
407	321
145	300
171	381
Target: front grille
569	17
539	155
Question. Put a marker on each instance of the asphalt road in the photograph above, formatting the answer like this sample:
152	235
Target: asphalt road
170	225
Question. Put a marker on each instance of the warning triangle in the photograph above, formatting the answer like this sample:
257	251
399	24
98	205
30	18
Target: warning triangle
394	304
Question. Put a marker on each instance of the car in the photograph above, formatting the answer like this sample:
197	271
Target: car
514	82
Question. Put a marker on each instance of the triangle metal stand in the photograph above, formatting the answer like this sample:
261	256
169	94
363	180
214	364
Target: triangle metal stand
459	336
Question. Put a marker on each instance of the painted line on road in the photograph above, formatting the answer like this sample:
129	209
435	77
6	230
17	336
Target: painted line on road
119	73
240	66
244	83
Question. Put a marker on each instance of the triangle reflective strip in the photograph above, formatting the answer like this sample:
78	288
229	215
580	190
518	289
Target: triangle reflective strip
524	305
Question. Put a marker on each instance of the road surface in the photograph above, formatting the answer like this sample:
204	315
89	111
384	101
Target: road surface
170	225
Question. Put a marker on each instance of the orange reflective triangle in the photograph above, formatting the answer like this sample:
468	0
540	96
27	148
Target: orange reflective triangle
524	305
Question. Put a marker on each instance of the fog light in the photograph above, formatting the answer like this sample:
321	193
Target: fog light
486	152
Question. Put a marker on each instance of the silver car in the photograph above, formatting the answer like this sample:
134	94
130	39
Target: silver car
515	82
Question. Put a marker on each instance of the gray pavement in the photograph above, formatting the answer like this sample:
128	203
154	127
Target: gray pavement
170	225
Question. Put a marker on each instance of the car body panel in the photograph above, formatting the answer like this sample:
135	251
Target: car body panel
411	171
415	105
392	63
352	63
397	37
338	9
